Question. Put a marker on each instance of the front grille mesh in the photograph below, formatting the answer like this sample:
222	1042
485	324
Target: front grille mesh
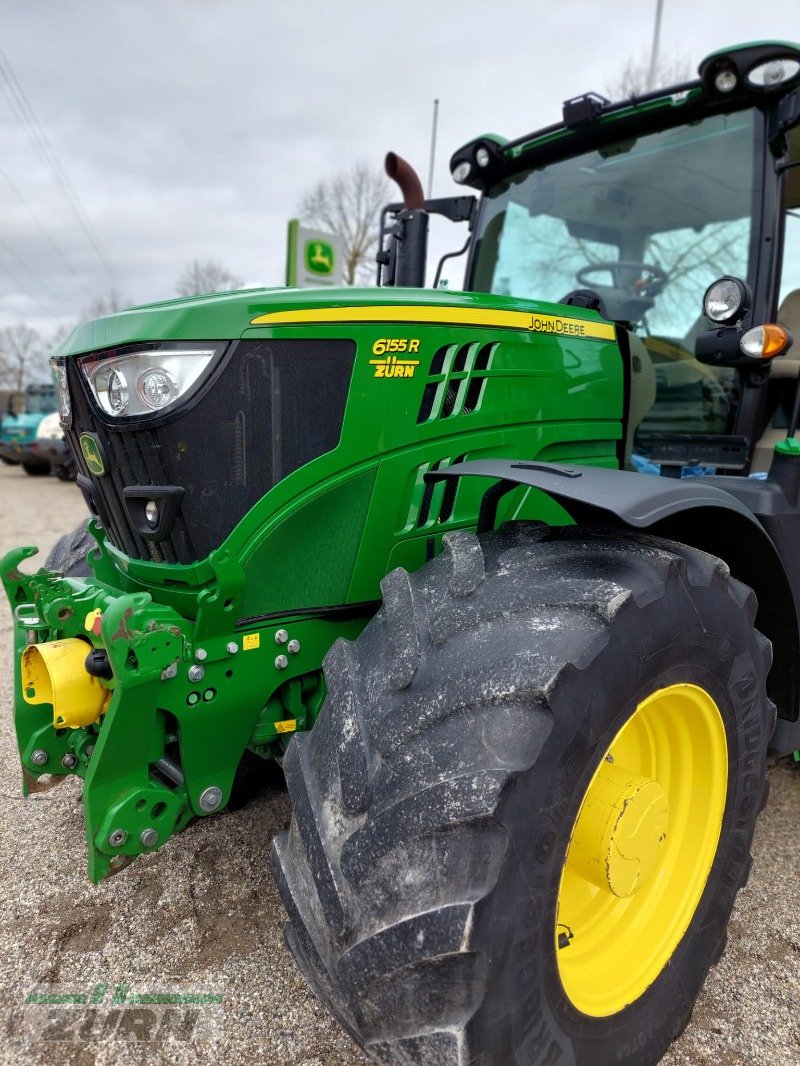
270	407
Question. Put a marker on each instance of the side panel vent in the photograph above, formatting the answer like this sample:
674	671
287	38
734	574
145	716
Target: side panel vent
456	381
432	504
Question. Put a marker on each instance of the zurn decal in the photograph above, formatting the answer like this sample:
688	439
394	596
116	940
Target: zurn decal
392	366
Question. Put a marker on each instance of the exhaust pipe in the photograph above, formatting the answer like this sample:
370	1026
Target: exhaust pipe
408	251
55	672
407	178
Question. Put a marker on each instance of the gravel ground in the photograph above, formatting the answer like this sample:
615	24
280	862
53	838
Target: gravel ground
202	916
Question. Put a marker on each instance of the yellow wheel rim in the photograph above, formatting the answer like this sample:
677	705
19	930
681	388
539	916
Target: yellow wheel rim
641	849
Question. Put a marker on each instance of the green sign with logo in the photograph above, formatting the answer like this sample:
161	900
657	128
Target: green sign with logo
319	257
313	258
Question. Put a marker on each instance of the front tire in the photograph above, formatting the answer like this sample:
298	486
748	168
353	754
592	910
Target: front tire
450	898
70	552
35	469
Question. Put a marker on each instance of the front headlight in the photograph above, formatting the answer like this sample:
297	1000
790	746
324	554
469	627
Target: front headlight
145	379
59	367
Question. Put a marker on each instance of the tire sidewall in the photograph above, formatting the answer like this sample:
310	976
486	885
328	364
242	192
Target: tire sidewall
689	634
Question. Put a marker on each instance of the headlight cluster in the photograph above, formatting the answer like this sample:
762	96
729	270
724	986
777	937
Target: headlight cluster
727	300
146	379
59	367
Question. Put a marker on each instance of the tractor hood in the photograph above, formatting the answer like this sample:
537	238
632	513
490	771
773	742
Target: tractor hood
227	316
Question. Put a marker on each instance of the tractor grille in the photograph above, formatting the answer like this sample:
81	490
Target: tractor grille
269	407
456	381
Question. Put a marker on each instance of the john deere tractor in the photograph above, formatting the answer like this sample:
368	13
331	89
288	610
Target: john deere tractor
410	543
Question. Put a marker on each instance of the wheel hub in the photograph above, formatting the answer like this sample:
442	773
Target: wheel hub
642	848
621	831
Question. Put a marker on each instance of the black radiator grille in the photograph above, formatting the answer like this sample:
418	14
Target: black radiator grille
270	407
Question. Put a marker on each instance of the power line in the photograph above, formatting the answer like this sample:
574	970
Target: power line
24	288
27	267
45	232
15	95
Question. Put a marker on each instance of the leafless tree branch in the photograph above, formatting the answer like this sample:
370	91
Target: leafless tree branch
347	204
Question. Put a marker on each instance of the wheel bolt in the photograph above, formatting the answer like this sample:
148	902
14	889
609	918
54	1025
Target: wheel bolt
39	757
281	636
281	662
293	647
149	837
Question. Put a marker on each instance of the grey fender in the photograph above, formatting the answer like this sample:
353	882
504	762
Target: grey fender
693	511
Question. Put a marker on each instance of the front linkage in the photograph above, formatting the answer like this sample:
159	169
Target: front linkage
153	710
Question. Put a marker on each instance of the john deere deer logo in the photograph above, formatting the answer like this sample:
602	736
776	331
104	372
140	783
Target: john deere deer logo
93	454
319	257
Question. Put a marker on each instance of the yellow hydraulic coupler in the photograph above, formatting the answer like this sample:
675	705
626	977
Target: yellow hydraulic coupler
55	672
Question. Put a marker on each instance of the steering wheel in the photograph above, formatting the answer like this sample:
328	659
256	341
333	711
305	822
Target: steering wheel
650	279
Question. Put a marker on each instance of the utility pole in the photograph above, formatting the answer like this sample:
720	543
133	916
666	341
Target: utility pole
651	73
433	146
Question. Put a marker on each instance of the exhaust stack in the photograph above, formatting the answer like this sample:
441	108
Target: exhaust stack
409	240
407	178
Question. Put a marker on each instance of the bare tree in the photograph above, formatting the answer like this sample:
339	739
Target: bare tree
633	79
107	304
201	277
347	204
22	357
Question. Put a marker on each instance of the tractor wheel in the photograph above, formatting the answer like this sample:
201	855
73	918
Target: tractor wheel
66	472
36	469
70	551
522	818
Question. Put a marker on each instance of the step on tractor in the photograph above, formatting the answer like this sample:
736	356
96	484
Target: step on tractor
507	579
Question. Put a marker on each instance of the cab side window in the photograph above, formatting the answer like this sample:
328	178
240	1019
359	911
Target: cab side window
789	299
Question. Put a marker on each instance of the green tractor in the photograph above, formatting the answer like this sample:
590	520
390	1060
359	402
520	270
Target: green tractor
408	543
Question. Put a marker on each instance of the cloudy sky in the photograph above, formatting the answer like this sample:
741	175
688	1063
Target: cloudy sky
190	129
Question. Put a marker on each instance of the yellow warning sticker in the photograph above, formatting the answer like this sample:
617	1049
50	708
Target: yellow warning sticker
288	726
251	641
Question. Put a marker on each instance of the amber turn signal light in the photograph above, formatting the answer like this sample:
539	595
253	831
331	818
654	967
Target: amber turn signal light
765	342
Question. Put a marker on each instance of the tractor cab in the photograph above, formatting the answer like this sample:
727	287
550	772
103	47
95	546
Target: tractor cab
636	208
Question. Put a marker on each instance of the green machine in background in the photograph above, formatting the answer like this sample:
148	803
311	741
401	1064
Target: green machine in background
525	782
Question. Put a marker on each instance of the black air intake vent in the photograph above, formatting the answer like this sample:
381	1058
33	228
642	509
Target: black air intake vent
456	381
432	504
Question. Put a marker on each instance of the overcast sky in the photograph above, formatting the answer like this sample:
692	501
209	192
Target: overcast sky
190	129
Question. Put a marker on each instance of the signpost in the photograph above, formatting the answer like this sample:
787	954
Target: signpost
313	258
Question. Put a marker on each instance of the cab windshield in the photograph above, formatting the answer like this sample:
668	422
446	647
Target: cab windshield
647	223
